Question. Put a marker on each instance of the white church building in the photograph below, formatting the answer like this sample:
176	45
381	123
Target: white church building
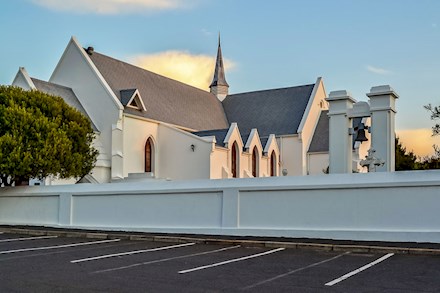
150	126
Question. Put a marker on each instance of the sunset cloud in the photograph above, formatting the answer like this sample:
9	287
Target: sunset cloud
378	70
195	70
111	6
419	141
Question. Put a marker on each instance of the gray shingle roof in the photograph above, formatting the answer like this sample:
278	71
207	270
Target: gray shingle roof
219	134
276	111
64	92
320	140
166	100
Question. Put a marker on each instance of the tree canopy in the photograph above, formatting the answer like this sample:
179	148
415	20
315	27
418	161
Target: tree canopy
40	135
404	160
435	115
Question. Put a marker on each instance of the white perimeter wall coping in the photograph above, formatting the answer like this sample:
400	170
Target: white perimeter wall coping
317	182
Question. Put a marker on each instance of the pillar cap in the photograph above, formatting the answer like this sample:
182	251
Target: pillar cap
382	90
340	95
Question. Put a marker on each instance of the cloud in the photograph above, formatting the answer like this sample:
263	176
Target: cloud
419	141
110	6
206	32
378	70
195	70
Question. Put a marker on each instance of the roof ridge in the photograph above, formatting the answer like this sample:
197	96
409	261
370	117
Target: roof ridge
212	130
149	71
273	89
51	83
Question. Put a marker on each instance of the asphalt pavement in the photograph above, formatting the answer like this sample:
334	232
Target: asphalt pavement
100	262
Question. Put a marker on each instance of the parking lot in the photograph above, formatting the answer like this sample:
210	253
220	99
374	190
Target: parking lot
52	263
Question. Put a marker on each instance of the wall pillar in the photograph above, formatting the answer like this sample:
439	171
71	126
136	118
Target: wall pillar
65	209
117	171
340	141
383	111
231	208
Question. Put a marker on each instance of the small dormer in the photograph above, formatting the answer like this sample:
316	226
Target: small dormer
131	98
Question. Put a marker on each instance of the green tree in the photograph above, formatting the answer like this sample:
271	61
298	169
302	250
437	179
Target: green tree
404	160
40	135
435	115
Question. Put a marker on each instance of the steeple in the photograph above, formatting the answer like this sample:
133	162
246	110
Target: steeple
219	86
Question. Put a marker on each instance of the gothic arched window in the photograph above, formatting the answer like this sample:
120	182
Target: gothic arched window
255	162
149	149
273	164
234	160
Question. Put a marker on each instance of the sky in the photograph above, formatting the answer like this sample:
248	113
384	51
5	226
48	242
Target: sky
352	44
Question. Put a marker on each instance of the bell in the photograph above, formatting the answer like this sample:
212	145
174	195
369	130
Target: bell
361	133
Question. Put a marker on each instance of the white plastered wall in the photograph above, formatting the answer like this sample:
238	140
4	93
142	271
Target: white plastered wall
23	80
176	157
291	154
76	70
309	121
219	163
135	135
317	163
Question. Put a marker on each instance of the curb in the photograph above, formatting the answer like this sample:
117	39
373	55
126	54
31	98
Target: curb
220	241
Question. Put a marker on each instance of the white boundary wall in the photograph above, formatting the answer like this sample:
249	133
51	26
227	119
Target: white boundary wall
399	206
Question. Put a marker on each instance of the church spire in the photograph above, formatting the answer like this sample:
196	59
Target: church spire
219	86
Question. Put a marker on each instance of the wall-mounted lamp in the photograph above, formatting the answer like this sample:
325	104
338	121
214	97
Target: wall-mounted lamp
193	147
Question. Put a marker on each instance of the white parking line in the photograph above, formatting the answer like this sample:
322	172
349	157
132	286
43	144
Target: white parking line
58	246
230	261
27	238
131	252
165	259
346	276
293	271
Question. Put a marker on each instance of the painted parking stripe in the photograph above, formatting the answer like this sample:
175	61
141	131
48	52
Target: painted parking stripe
27	238
367	266
165	259
57	246
231	261
293	272
131	252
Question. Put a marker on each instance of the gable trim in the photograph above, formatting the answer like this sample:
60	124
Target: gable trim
309	104
22	71
136	97
231	130
254	133
95	70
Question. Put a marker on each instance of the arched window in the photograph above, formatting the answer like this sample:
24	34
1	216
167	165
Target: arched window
234	160
273	164
149	149
255	162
